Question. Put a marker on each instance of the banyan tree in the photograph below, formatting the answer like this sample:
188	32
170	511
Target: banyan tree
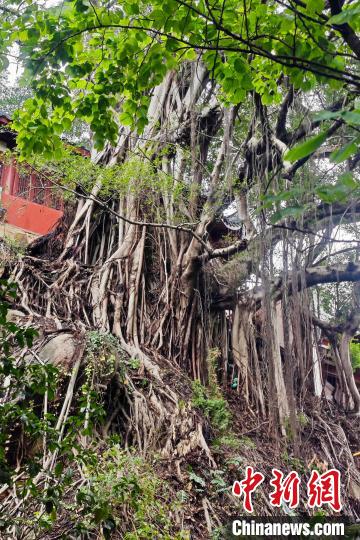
218	215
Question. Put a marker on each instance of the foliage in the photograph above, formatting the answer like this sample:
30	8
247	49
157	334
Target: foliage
24	380
100	352
75	58
293	462
117	490
81	59
304	149
14	246
27	384
212	405
74	174
228	440
199	480
122	484
355	354
297	199
209	399
12	96
334	301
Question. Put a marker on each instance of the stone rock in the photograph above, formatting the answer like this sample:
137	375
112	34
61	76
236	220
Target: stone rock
13	315
59	351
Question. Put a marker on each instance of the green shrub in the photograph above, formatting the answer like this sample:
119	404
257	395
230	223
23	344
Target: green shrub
228	440
124	493
355	355
213	406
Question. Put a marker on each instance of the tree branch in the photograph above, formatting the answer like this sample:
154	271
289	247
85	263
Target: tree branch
319	275
317	218
280	131
310	277
345	29
303	130
225	252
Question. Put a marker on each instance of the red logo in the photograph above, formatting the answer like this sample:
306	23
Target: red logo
247	486
324	489
285	489
321	489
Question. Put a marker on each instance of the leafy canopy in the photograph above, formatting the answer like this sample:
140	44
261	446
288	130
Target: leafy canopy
84	58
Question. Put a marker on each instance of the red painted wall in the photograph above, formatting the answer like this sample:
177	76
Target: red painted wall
23	212
30	216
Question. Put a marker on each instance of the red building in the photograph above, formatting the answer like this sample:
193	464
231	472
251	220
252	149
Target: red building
30	202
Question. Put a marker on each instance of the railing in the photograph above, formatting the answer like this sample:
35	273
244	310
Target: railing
31	202
34	188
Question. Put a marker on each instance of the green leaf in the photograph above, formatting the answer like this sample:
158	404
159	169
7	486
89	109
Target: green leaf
342	190
345	16
197	479
347	180
126	119
306	148
313	6
290	211
344	152
66	124
80	6
351	117
239	65
285	195
58	469
327	115
81	84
